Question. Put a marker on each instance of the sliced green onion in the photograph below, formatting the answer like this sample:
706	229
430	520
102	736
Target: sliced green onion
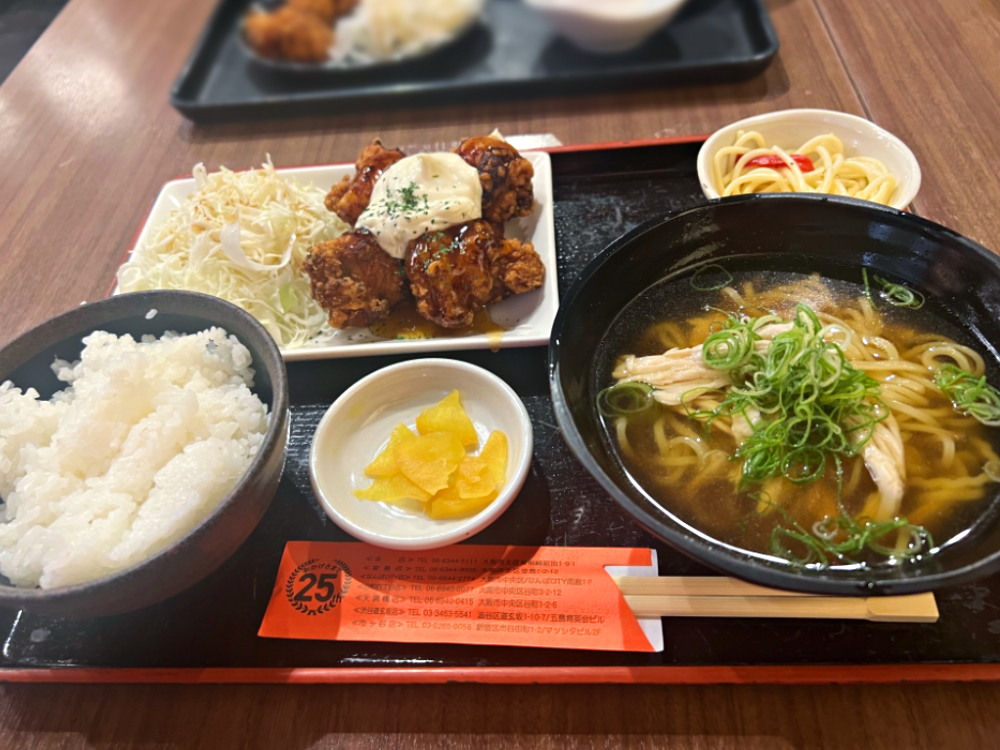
822	546
714	287
729	348
920	538
804	465
969	394
896	295
814	406
624	399
813	549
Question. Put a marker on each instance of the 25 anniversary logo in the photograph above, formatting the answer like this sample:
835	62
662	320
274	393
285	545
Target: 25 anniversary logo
316	587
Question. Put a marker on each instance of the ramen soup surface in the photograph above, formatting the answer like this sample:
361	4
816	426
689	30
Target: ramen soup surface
689	469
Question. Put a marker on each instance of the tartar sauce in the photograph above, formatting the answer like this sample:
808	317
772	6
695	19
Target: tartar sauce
420	194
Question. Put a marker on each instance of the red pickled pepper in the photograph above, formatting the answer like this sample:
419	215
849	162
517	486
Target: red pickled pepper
776	162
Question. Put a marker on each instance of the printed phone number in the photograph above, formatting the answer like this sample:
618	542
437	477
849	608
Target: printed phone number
446	626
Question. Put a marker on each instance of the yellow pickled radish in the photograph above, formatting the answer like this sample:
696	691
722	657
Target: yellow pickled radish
384	464
494	453
474	478
391	489
447	503
448	416
429	460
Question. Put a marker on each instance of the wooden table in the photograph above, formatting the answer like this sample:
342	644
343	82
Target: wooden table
87	137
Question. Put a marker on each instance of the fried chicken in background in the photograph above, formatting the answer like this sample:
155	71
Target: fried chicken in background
345	7
325	10
350	197
505	176
449	272
290	34
328	10
354	280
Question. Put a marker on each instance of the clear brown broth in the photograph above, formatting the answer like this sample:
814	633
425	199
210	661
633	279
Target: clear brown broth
713	504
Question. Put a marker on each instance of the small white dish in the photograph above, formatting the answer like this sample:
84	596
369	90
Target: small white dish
357	427
528	318
607	26
790	128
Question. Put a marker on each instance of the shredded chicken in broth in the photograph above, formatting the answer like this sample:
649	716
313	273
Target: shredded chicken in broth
815	421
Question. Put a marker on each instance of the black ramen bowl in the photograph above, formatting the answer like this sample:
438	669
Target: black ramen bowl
27	362
834	236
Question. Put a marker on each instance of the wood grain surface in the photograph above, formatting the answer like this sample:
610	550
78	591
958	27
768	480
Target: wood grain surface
916	717
929	74
86	139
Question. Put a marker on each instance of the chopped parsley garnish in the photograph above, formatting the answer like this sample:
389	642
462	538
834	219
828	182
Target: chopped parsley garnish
409	194
406	201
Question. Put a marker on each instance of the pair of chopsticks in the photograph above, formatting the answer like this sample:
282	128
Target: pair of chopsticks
728	597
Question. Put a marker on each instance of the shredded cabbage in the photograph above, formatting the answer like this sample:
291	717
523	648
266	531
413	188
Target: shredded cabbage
244	237
381	30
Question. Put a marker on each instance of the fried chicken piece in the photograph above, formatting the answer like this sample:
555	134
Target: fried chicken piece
326	10
449	272
350	197
354	280
289	34
505	175
329	10
515	268
345	7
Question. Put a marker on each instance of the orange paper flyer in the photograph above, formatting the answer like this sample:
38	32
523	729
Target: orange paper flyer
544	597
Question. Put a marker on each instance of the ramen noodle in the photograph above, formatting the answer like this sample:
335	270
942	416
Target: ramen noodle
802	418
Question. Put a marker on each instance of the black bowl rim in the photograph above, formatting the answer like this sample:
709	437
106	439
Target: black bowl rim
709	555
276	425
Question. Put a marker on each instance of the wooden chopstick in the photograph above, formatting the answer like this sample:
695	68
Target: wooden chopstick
695	586
727	597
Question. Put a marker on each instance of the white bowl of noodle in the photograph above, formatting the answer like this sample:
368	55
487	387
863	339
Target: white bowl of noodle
818	150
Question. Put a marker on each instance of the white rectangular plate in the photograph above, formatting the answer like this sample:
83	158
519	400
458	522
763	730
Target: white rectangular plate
528	317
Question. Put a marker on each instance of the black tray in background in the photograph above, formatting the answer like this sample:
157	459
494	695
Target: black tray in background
598	196
513	55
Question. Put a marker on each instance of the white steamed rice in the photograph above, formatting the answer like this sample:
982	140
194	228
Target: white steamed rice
143	444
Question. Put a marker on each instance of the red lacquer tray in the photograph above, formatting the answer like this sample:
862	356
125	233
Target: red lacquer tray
209	633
